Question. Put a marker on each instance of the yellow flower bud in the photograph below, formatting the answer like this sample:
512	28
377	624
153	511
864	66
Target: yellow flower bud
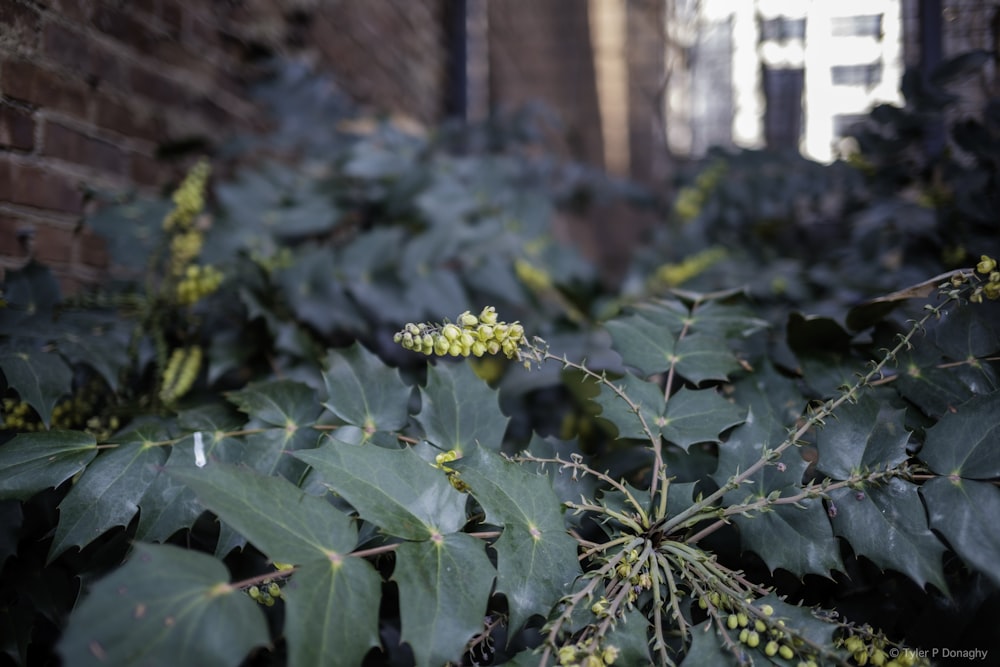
986	264
488	315
451	332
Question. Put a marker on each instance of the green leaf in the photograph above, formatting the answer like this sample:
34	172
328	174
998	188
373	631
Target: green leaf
444	586
280	519
166	606
281	403
698	416
647	396
168	505
887	525
103	347
331	612
459	410
863	436
645	339
106	495
510	494
797	539
962	510
534	571
536	558
39	378
29	291
937	391
364	391
701	357
706	649
966	442
32	462
724	320
394	489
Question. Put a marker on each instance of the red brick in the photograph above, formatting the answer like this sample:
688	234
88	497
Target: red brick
74	146
74	51
173	16
17	128
93	249
74	10
158	88
126	29
113	115
18	23
53	244
144	170
36	85
10	236
32	186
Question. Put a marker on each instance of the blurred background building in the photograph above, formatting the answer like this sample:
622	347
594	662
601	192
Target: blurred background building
112	94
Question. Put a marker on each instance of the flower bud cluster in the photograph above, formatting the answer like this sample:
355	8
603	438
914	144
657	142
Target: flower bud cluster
189	198
476	335
587	653
198	282
987	266
757	629
76	412
180	373
266	594
867	649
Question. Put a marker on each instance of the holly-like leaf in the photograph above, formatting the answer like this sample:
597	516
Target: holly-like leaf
646	337
966	442
280	519
364	391
794	538
168	505
511	494
106	495
887	525
937	391
700	357
724	320
281	403
864	436
32	462
444	585
536	558
39	378
166	606
534	570
961	510
646	396
707	650
394	489
698	416
331	612
459	410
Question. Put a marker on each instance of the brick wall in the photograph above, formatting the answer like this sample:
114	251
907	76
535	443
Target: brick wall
91	91
390	55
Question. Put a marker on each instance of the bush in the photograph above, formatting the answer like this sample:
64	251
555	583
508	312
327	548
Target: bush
264	444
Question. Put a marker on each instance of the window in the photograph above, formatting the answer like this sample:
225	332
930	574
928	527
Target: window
782	29
783	114
857	75
869	25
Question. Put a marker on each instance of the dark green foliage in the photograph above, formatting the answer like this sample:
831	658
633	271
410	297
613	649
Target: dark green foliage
817	411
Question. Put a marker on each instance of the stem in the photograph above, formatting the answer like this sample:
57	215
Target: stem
814	419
